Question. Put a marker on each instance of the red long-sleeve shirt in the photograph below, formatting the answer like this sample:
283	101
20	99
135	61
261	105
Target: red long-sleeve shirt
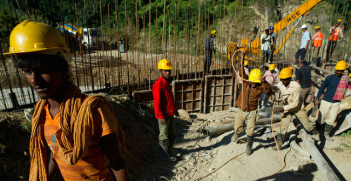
164	104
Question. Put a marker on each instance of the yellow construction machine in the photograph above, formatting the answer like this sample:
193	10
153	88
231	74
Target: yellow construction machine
253	49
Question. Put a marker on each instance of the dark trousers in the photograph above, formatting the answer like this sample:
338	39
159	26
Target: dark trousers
300	54
265	56
330	48
208	57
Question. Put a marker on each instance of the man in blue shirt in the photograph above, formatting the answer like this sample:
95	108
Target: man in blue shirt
330	103
209	49
305	40
303	77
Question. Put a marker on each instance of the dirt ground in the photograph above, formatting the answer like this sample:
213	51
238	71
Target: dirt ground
201	154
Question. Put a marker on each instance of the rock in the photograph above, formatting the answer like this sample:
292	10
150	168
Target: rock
211	169
21	177
184	114
191	163
25	153
186	157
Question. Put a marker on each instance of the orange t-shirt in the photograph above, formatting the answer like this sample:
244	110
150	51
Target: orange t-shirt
94	165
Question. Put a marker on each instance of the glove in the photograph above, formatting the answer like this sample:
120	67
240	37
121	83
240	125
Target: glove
162	121
278	109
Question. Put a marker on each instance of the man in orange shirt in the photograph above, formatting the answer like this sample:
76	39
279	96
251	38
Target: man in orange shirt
317	43
335	32
81	131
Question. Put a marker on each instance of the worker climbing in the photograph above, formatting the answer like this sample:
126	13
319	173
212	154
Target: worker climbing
335	32
290	92
164	107
247	102
336	85
209	50
81	131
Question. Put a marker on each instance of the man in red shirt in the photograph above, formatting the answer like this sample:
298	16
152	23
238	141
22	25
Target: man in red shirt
164	107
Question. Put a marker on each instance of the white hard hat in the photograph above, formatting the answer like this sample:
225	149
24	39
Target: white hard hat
304	26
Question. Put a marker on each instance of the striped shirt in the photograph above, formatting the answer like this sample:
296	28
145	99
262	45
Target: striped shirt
94	165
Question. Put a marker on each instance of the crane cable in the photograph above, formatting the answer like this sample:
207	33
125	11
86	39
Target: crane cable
237	125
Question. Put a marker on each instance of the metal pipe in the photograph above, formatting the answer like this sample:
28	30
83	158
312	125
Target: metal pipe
317	157
297	148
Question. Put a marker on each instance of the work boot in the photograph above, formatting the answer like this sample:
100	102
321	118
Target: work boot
235	137
250	140
164	152
280	140
327	130
171	149
315	134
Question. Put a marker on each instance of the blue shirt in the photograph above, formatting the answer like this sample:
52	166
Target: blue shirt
304	39
331	83
209	42
304	75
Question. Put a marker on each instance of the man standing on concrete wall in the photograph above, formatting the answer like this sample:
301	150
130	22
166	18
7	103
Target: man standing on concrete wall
336	85
266	43
305	40
164	106
274	37
303	77
290	91
335	32
247	102
317	43
209	50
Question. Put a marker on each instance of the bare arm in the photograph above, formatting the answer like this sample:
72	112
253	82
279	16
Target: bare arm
110	147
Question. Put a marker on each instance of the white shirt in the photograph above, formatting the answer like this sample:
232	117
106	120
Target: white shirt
266	42
291	96
271	76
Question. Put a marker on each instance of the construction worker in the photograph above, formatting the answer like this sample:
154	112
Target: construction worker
164	107
209	50
305	40
335	32
81	131
274	37
317	43
290	92
303	77
271	75
247	102
266	44
336	85
246	71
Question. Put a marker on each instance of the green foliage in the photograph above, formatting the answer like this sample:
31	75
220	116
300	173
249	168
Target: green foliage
26	125
345	145
150	104
2	146
348	133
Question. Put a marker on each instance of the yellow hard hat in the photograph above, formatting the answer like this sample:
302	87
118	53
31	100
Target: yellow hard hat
350	75
317	27
285	73
272	67
291	67
341	65
246	62
164	64
255	75
214	32
339	21
33	36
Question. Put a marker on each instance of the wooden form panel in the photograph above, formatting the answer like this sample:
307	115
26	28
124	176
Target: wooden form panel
143	96
218	93
188	95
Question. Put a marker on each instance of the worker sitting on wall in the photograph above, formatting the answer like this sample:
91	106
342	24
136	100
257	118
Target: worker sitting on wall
73	135
164	106
247	102
335	32
266	44
336	85
291	95
305	40
271	75
209	50
317	43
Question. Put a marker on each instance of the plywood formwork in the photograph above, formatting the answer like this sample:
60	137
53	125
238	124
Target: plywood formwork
219	93
143	96
188	95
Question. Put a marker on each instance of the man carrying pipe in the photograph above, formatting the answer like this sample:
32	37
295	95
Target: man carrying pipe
247	102
291	94
335	32
209	50
73	135
336	85
164	106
